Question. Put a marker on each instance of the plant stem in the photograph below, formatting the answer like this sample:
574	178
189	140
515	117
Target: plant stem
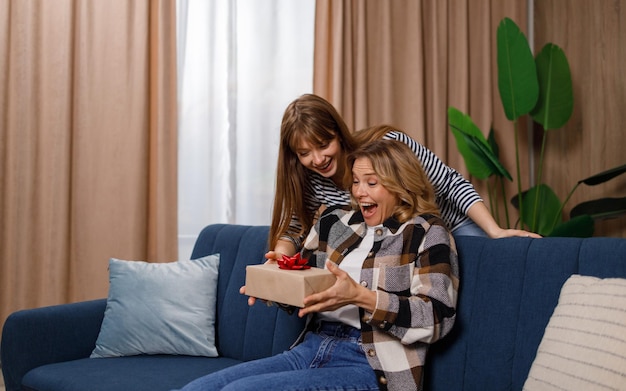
506	204
539	172
519	176
492	203
563	204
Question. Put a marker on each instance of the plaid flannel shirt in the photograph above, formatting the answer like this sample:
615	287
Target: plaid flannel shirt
413	267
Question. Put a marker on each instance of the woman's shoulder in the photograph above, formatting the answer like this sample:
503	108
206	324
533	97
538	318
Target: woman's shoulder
337	210
432	226
429	219
333	218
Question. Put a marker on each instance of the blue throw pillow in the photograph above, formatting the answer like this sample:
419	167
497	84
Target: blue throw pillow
160	308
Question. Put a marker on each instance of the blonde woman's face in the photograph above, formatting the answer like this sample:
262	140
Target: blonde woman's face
326	159
375	201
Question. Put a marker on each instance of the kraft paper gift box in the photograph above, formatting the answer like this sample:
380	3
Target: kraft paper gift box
269	282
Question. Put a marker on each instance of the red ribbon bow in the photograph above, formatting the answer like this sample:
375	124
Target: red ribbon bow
293	263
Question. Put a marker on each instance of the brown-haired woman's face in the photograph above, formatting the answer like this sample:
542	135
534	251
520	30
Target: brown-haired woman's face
324	159
375	201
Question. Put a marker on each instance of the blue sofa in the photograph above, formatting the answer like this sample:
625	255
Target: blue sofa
509	289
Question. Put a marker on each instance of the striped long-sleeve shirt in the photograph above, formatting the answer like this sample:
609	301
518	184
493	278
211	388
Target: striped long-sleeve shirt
454	194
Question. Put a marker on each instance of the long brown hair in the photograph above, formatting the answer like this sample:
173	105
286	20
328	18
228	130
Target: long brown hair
401	173
314	119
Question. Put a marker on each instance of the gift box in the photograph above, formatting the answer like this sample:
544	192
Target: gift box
269	282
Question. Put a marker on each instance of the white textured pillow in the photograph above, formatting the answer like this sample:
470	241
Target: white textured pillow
160	308
584	345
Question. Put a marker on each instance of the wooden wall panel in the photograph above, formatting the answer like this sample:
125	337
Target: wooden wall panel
593	36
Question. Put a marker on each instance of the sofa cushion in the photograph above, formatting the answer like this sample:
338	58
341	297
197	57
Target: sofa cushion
136	373
583	346
160	308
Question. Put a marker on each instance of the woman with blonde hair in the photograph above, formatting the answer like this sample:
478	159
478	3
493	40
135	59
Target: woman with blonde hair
395	294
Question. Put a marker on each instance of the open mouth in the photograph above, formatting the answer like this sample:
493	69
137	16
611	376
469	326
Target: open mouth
368	209
325	167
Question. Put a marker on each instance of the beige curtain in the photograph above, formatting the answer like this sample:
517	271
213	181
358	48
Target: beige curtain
87	144
404	62
593	36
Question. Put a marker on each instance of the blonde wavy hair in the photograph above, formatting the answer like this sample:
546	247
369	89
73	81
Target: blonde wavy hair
401	173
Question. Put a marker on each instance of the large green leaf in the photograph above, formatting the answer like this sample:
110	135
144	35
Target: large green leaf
556	99
479	148
604	176
471	143
493	143
517	73
603	208
541	208
578	227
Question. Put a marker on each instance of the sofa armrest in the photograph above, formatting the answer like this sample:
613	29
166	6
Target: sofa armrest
46	335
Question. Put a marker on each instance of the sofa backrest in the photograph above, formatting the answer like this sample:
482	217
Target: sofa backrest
509	289
243	332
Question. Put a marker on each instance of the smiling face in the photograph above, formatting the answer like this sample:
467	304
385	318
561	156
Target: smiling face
375	201
326	159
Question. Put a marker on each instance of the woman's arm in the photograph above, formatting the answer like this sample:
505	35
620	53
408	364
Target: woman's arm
283	247
290	240
450	185
345	291
481	216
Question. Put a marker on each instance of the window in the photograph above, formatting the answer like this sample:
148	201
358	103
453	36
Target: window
240	63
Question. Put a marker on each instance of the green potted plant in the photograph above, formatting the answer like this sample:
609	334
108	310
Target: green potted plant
539	87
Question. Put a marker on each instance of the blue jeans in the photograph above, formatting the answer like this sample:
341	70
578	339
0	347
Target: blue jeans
469	228
330	358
